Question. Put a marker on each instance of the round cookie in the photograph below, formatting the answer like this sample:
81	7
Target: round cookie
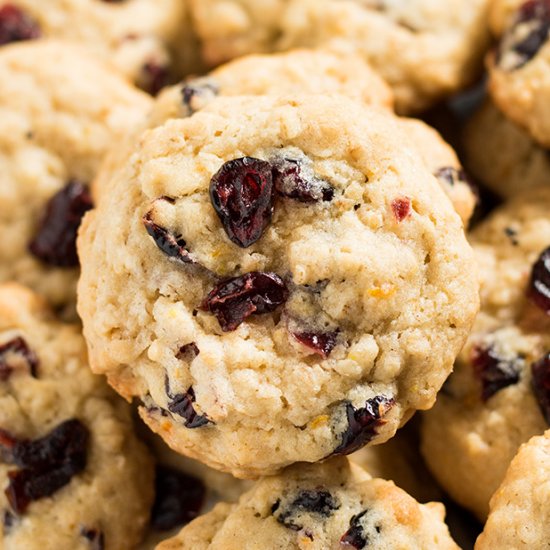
59	120
502	155
146	40
319	507
496	399
311	71
73	474
520	516
425	49
519	67
268	326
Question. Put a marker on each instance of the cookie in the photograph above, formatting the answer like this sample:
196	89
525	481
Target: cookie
59	120
519	515
519	67
425	49
247	273
146	40
497	397
73	474
309	71
318	507
502	155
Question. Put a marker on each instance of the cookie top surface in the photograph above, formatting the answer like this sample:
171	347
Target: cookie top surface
519	516
59	120
496	398
317	507
276	319
520	65
424	48
502	154
140	37
70	462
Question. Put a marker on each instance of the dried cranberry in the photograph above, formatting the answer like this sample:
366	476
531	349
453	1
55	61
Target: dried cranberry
291	181
355	536
172	245
16	25
401	208
182	405
55	240
362	423
321	343
541	384
197	93
95	537
234	300
47	464
494	372
318	502
539	285
242	195
21	350
154	77
179	499
534	17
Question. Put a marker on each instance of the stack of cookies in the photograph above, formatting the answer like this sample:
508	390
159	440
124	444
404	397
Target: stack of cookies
235	267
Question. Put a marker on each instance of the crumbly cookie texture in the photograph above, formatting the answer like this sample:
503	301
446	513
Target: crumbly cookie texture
318	507
425	49
73	474
246	277
503	155
519	67
519	516
61	111
316	72
147	40
497	397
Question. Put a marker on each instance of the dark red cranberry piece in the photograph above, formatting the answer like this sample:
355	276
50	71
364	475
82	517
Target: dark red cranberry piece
255	293
316	502
533	16
16	25
55	240
182	405
494	372
541	384
154	77
172	245
363	423
95	537
196	93
401	208
291	181
179	499
242	195
188	352
23	354
321	343
539	285
47	464
355	536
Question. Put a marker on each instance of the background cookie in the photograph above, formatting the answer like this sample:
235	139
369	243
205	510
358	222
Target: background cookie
356	211
519	67
318	507
519	515
61	111
148	40
425	49
496	398
502	155
74	474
